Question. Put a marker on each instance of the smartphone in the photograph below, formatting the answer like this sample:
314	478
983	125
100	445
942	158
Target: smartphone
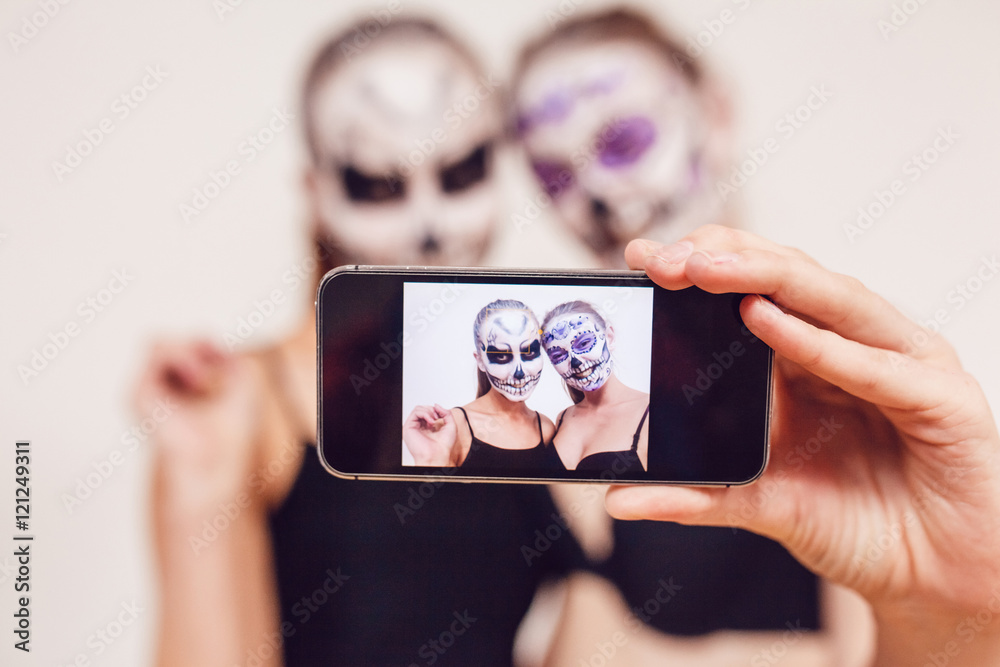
637	383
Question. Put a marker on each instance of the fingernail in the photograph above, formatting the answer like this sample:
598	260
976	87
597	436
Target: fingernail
720	257
675	253
648	247
770	306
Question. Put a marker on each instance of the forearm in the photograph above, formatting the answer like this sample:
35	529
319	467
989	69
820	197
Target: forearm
217	588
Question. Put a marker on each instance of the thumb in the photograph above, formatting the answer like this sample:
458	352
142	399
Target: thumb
762	507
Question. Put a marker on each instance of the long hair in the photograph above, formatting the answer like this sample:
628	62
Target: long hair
482	380
574	307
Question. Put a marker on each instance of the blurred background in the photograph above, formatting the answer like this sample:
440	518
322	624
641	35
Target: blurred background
167	93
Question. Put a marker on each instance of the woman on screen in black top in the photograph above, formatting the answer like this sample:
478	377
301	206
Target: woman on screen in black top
605	428
508	354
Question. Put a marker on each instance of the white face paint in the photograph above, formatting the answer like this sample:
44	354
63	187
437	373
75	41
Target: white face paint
615	134
405	134
579	349
509	351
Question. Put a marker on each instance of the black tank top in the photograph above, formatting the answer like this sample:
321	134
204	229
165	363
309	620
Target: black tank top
484	455
694	580
400	573
629	458
370	573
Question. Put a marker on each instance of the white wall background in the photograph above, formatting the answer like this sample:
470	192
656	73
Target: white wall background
61	241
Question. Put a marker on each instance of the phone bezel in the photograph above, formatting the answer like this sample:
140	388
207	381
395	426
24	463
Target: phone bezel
452	474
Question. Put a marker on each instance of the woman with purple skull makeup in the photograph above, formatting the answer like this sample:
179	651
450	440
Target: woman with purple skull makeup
508	356
605	428
622	129
627	134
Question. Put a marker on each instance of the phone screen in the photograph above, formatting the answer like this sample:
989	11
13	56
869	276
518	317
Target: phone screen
685	386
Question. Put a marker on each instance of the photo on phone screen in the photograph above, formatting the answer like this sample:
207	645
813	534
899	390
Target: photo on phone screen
448	321
403	351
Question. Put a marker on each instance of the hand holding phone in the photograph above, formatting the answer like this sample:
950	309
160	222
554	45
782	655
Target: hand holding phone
884	474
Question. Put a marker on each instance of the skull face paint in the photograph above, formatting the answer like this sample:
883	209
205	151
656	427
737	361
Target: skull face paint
404	168
509	351
616	136
577	346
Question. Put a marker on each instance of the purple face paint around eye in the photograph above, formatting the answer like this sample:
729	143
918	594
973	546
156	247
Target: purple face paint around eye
584	342
554	108
554	177
558	104
629	139
557	355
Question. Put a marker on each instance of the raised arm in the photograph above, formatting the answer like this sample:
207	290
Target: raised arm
218	596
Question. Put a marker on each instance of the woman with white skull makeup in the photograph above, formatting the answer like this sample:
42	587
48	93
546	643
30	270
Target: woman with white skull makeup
266	559
508	355
606	414
402	155
623	130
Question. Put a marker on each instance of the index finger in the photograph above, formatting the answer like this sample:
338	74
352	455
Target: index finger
747	264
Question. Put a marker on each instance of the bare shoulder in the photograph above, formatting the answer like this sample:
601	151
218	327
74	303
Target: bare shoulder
548	428
458	415
461	423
